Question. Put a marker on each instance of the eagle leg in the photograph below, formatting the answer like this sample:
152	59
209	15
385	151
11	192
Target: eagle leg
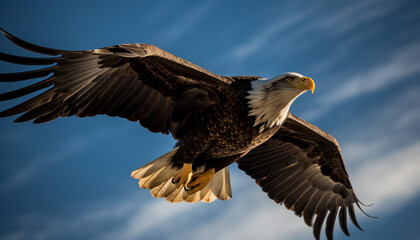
183	176
199	181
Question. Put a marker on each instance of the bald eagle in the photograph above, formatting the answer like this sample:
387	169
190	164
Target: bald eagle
216	120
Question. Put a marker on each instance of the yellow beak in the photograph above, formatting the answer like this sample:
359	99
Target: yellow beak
306	83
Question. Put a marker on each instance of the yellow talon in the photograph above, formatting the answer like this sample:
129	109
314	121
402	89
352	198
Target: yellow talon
199	181
183	176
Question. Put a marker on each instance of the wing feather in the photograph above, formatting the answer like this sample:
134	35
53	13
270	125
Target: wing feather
301	166
329	226
140	82
27	60
302	201
28	89
30	46
343	220
13	77
320	216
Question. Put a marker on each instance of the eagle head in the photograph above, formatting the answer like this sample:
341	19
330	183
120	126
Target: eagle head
270	100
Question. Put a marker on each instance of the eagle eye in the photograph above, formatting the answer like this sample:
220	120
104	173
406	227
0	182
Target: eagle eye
288	79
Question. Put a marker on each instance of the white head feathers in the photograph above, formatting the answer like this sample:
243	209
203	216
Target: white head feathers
270	102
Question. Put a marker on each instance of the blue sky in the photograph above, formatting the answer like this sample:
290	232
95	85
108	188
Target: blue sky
70	178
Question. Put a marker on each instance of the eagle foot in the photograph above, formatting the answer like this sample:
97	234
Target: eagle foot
199	181
183	176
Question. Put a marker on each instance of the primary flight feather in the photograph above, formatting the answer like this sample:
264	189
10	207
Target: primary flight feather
217	120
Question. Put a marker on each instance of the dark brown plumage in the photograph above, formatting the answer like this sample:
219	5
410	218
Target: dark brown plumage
301	166
217	120
124	80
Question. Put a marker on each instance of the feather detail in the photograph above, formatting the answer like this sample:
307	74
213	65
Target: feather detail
269	103
157	176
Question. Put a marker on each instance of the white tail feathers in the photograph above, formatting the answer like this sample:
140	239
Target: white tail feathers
157	176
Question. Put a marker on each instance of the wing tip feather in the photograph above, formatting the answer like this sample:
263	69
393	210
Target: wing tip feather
353	217
30	46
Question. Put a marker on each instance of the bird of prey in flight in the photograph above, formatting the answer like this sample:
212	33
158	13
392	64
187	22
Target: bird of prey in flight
216	120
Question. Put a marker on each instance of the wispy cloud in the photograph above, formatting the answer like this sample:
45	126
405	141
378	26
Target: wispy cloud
392	124
289	34
161	9
29	170
41	227
353	16
336	23
64	152
188	21
253	216
384	162
399	67
147	219
402	65
389	180
268	33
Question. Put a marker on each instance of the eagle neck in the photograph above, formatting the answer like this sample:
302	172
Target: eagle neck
269	105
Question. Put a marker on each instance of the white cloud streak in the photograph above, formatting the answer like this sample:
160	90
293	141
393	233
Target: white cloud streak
65	151
29	170
398	118
144	220
390	180
188	21
399	67
287	35
402	65
267	34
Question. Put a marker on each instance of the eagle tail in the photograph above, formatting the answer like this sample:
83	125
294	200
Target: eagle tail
157	176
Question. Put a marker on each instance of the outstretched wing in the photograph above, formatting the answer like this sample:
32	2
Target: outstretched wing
139	82
301	166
